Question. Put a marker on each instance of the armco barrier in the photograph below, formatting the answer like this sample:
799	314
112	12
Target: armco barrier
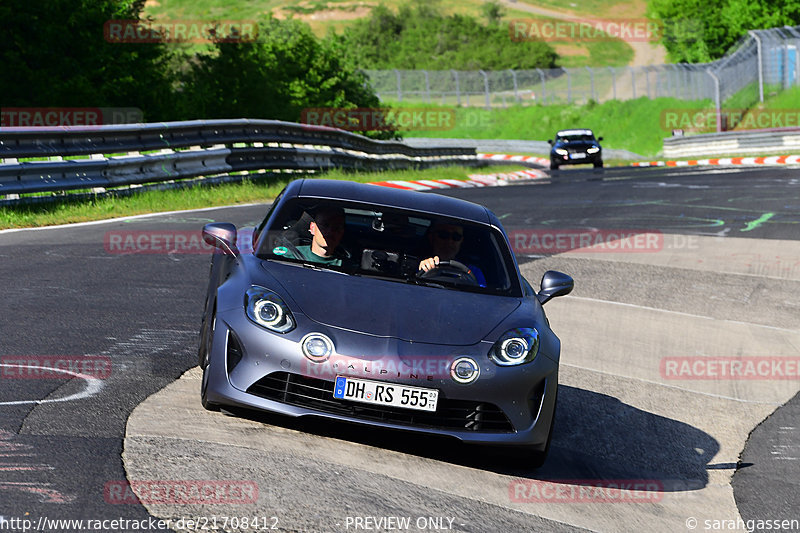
733	143
195	148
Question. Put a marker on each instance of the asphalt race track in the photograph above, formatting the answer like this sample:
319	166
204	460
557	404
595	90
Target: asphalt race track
718	277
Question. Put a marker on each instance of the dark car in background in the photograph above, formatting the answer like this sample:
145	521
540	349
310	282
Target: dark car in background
374	340
575	147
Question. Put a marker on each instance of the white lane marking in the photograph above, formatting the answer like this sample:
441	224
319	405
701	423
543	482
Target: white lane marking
131	217
789	451
684	314
93	386
643	380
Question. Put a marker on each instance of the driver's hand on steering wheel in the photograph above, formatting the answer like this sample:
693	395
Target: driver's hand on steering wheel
429	263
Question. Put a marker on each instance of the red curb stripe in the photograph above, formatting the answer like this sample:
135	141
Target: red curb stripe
392	185
451	185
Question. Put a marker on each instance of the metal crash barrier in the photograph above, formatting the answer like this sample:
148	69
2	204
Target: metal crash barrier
94	157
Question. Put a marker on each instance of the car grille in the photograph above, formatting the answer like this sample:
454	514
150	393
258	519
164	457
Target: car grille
294	389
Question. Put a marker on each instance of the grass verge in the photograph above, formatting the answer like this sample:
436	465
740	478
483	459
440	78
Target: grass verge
635	125
68	210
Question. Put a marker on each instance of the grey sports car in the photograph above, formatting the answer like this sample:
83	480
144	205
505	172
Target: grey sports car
383	307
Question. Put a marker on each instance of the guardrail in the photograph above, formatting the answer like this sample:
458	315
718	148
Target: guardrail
733	143
111	156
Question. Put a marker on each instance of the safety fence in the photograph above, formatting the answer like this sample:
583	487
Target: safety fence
761	63
35	160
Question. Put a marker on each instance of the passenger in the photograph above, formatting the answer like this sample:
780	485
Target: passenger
327	230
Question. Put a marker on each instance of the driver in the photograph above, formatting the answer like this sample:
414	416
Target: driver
327	230
444	241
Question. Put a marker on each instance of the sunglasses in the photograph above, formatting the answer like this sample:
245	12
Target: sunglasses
454	235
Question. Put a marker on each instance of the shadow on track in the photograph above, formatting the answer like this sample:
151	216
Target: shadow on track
597	438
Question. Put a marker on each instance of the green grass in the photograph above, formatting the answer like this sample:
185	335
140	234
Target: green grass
634	125
745	98
736	114
67	210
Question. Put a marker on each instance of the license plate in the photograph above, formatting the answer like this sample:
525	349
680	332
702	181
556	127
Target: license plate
382	393
578	156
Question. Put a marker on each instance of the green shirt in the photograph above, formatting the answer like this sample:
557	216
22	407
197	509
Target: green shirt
307	254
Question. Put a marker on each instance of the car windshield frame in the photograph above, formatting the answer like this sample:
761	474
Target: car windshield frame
399	236
582	137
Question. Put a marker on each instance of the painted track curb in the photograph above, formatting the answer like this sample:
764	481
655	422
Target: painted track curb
474	180
517	158
775	160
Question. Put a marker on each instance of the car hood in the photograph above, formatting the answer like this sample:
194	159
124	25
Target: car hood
407	312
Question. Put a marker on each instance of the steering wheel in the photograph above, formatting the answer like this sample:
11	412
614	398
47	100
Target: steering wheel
455	270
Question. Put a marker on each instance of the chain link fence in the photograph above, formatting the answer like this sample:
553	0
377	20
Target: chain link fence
762	62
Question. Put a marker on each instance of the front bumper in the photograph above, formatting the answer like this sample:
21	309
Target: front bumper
504	406
570	159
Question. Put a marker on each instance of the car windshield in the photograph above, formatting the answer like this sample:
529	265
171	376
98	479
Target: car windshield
572	138
389	243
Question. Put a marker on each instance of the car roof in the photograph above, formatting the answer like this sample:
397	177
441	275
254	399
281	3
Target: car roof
575	132
390	197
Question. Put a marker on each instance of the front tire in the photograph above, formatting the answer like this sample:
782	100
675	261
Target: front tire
207	405
206	341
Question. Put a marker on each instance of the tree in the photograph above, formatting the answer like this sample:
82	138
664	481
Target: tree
699	31
420	36
284	71
493	11
57	56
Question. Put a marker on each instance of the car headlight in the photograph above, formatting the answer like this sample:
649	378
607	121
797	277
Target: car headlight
268	310
516	347
593	150
561	151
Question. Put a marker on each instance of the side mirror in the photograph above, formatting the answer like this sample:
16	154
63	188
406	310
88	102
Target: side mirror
221	235
554	284
550	142
599	138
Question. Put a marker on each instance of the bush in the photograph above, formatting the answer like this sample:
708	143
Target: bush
421	37
697	31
